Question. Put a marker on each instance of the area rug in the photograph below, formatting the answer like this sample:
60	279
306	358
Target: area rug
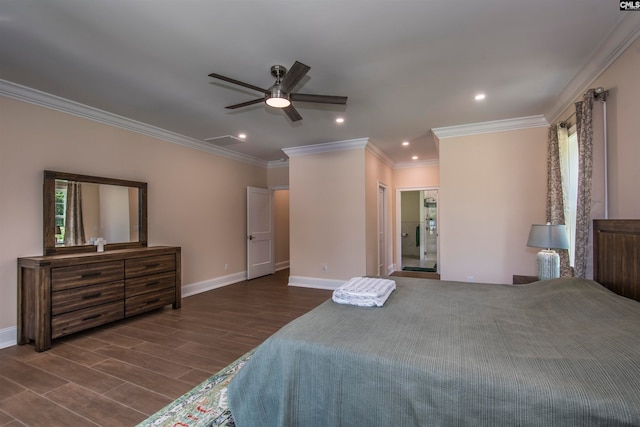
204	406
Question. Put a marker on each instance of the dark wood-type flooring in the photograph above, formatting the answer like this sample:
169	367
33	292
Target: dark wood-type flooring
119	374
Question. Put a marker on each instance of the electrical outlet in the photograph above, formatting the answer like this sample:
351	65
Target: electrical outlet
469	278
226	267
325	268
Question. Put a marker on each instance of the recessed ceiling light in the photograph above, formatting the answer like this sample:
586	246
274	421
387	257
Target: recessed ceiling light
480	97
414	158
242	135
340	120
405	143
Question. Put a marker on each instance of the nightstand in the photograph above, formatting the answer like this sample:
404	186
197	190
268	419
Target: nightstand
523	280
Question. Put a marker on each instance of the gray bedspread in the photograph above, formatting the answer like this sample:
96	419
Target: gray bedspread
556	353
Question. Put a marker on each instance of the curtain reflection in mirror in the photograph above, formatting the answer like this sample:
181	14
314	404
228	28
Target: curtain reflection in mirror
74	227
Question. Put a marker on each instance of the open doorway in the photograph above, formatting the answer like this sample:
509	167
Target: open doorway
417	226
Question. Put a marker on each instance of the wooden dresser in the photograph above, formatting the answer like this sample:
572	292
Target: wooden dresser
62	294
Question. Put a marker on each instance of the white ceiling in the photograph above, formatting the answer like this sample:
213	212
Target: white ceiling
407	66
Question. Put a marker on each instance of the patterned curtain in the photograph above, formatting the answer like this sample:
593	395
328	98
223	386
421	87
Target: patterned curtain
555	194
584	125
74	226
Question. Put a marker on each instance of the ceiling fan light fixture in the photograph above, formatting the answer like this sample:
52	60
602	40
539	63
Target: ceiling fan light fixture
278	102
277	98
280	95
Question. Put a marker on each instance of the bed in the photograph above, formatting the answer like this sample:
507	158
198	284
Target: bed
563	352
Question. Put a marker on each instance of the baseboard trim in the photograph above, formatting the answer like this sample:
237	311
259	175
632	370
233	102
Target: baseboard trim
8	337
208	285
314	282
282	265
390	269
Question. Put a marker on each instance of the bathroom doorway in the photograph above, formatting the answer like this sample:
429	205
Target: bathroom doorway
417	219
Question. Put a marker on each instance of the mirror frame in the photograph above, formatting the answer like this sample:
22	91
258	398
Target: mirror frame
49	216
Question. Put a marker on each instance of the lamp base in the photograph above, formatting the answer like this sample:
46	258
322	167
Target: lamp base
548	264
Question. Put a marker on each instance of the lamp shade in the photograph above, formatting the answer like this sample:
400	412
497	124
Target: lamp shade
550	236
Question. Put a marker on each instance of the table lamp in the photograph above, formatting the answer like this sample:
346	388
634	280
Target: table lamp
548	237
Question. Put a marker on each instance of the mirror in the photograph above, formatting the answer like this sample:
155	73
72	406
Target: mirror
80	209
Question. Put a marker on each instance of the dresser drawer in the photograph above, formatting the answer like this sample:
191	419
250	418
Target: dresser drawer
149	265
79	320
87	296
86	274
151	283
145	302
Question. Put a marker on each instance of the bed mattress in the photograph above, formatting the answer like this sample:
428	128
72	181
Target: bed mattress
562	352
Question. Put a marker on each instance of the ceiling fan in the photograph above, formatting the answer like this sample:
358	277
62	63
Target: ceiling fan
279	95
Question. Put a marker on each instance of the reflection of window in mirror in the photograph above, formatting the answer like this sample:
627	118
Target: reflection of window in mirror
60	200
107	211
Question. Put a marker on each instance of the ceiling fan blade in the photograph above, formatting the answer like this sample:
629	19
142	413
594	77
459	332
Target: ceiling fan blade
237	82
325	99
294	75
292	113
244	104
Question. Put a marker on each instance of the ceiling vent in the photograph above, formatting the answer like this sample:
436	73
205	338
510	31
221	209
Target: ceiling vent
224	141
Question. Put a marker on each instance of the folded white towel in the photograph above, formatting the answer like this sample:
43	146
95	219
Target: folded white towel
364	291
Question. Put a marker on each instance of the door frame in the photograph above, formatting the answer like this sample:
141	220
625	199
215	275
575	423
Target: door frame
397	266
382	216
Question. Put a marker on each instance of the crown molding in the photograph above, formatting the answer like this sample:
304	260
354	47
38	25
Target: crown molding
351	144
489	127
619	39
43	99
381	155
417	164
282	163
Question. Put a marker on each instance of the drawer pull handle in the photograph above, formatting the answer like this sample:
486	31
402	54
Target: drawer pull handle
153	301
152	283
97	273
94	295
95	316
152	265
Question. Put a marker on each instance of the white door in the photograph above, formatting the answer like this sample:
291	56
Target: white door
260	252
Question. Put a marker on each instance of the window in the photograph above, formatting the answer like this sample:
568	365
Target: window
61	198
568	145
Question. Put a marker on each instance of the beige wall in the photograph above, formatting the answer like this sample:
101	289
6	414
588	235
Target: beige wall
91	210
281	226
327	222
377	173
416	177
492	188
278	177
622	81
410	201
344	206
196	200
409	218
